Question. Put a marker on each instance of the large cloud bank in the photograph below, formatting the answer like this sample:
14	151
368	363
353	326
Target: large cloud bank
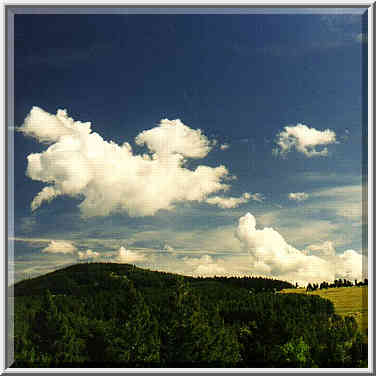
304	140
111	177
270	254
264	252
259	252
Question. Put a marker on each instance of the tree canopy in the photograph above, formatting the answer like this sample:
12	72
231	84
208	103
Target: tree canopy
118	315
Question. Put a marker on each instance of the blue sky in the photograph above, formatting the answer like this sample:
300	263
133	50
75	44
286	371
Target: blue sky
240	79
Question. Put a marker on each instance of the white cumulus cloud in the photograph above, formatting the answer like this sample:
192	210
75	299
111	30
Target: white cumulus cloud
45	195
304	140
350	266
111	177
270	254
60	246
125	256
172	136
298	196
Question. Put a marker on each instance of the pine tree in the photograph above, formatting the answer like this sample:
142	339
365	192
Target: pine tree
53	335
133	335
295	353
191	337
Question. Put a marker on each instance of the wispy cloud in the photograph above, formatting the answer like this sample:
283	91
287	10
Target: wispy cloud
361	38
298	196
331	213
228	203
259	197
344	201
30	240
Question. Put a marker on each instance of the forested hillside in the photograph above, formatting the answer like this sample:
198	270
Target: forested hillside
118	315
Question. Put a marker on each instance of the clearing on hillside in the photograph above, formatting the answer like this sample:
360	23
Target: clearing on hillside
348	301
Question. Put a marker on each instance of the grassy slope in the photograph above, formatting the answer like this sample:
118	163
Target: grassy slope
348	301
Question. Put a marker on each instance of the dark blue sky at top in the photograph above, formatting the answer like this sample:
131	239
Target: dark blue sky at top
236	77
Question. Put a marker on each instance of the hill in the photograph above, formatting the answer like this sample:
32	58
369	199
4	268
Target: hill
118	315
79	278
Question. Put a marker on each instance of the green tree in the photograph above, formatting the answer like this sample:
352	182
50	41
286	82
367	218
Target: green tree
295	353
54	336
131	336
191	337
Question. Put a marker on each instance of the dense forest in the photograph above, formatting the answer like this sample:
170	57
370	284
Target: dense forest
118	315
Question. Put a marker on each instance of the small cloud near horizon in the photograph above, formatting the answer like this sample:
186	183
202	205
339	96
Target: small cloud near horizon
60	246
298	196
224	146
